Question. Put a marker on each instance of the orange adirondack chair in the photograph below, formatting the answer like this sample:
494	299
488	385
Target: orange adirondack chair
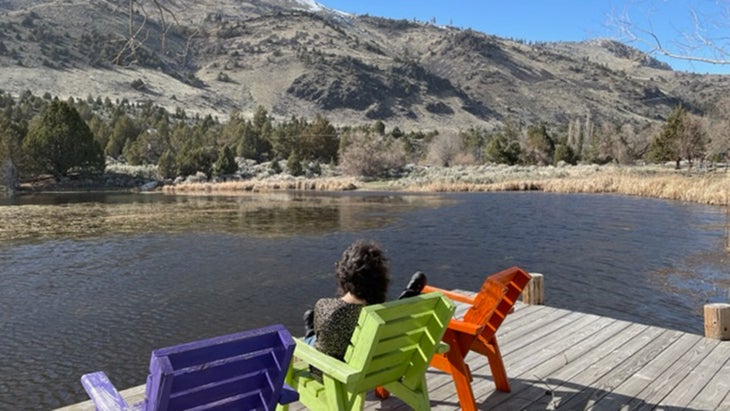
476	331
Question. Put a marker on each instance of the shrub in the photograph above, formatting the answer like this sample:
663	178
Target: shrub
314	169
138	84
294	165
501	151
564	152
367	155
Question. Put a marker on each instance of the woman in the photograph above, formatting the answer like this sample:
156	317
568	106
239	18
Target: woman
362	276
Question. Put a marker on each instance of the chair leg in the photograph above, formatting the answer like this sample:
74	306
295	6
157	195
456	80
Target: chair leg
288	380
461	375
337	395
422	403
382	393
490	348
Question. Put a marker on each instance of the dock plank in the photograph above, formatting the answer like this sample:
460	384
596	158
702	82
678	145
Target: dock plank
552	354
712	395
601	388
533	378
559	359
641	379
725	404
526	369
670	380
584	389
569	379
697	379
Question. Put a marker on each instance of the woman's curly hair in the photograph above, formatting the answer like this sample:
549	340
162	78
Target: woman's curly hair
363	271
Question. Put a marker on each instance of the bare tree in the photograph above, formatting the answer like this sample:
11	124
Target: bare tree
691	139
634	141
706	40
138	33
370	155
444	149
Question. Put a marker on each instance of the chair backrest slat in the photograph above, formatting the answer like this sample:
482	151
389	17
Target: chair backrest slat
396	340
246	389
236	371
498	295
486	302
224	369
217	348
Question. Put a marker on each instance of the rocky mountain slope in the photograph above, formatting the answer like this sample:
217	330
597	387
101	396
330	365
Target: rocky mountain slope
297	58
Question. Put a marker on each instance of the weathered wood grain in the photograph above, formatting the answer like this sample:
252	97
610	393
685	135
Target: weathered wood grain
633	386
670	380
702	375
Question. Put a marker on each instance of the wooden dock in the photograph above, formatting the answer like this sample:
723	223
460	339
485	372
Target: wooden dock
562	360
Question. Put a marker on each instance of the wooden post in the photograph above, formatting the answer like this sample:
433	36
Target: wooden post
534	292
717	321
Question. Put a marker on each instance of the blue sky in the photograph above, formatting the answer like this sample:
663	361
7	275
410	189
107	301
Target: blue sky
569	20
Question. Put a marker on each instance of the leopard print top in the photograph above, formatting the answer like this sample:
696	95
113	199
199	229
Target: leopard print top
334	322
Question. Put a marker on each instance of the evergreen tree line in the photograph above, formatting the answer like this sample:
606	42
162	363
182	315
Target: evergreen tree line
44	135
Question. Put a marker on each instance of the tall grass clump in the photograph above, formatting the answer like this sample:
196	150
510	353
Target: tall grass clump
265	185
704	187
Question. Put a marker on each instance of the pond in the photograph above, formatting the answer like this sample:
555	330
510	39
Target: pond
96	281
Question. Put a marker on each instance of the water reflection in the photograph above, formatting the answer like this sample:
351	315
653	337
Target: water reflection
86	215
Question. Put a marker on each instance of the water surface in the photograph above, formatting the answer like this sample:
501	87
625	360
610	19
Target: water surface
95	282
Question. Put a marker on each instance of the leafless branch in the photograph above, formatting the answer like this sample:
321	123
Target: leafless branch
162	11
133	41
704	42
184	55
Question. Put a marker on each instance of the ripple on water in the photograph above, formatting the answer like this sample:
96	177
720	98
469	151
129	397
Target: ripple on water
168	271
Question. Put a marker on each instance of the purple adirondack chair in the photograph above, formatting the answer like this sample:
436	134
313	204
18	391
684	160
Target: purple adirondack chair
242	371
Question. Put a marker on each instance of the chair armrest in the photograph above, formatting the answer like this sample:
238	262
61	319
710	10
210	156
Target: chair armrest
442	348
328	365
450	294
288	395
465	327
102	392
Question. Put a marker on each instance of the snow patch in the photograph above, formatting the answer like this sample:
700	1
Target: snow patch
311	5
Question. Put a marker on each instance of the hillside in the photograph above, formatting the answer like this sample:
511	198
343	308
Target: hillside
297	58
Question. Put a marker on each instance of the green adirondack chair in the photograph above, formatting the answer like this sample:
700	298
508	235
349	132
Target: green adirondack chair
391	347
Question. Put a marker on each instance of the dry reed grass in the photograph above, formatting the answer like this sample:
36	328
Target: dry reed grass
705	188
709	187
266	185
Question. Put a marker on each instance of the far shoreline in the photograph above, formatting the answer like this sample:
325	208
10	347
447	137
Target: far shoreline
710	187
705	186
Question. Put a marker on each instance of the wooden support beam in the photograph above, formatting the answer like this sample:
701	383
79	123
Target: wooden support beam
534	292
717	321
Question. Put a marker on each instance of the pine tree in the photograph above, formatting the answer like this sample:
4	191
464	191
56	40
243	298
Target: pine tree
166	165
226	162
681	137
319	141
60	142
662	147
